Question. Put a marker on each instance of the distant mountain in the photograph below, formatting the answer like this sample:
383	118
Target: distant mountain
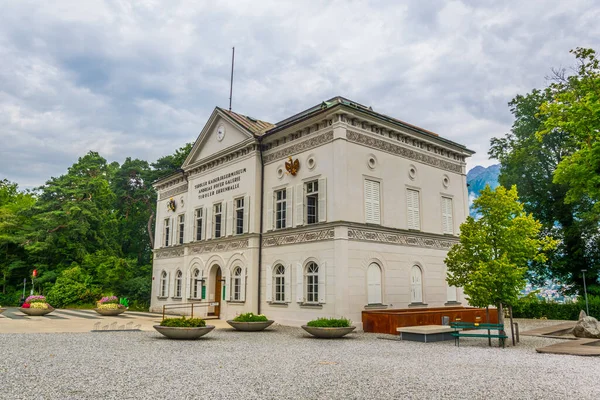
478	177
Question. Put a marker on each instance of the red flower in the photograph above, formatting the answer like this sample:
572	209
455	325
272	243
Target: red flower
26	305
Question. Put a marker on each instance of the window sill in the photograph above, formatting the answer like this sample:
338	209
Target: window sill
194	298
452	303
417	305
316	306
236	302
376	306
176	298
162	297
277	304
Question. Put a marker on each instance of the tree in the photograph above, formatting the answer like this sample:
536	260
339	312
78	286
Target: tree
530	162
574	108
493	253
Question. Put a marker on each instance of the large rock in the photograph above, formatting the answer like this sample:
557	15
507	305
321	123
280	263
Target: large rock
587	327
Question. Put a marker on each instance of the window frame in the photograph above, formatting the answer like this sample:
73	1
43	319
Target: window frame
447	218
375	204
238	227
313	194
178	284
199	221
166	231
218	216
164	284
280	223
414	209
236	284
279	284
181	229
311	285
413	299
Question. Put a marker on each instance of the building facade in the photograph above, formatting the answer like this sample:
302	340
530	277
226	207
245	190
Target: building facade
330	212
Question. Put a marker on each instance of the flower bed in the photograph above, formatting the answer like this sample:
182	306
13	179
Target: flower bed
36	305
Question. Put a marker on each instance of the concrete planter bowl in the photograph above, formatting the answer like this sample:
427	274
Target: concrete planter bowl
110	313
328	333
36	312
250	326
184	333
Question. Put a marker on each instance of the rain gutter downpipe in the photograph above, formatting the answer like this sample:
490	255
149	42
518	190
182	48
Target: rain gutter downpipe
262	199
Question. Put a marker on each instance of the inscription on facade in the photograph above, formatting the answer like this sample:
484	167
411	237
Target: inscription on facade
220	184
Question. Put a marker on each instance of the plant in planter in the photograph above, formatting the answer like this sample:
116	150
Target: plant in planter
183	328
329	328
36	306
250	322
110	306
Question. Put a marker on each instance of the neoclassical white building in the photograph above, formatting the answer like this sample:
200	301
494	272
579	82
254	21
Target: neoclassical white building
330	212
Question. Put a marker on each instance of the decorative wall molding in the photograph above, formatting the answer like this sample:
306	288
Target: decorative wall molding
391	148
218	246
169	253
400	239
294	238
174	192
299	147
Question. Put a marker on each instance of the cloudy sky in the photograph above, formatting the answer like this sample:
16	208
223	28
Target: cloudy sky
140	78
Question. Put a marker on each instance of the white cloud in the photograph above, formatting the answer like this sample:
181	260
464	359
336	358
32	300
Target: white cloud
140	78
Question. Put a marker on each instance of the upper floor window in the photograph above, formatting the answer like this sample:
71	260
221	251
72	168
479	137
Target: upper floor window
181	228
217	220
280	208
312	202
199	222
236	284
178	283
166	231
163	284
447	224
372	202
279	283
413	213
312	283
239	216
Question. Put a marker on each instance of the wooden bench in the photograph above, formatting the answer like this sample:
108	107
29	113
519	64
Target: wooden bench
460	327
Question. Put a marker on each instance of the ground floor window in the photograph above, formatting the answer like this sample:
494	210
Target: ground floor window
374	295
416	285
279	283
236	284
178	285
312	283
163	284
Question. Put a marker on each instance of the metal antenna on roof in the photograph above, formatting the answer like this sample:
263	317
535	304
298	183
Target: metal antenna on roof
231	83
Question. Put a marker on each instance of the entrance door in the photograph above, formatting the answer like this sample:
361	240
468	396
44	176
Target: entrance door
218	294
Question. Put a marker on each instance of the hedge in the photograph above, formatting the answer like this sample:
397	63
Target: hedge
532	307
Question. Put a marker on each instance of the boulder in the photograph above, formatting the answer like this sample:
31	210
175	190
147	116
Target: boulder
587	327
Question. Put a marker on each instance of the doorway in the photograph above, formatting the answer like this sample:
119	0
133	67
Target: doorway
218	296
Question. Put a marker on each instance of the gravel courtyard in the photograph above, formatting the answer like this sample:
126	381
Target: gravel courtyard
285	363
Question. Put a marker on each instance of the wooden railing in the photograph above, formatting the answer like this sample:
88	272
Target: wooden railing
175	306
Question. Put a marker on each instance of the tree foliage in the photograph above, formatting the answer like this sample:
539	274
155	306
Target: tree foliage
87	232
494	251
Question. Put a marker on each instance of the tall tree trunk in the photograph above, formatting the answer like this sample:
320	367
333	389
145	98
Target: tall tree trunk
150	230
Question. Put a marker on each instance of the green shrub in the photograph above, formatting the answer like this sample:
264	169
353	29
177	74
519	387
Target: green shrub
330	323
250	317
183	322
532	307
73	286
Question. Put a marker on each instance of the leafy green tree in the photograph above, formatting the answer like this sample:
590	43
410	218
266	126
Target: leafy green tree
13	228
530	161
73	286
493	253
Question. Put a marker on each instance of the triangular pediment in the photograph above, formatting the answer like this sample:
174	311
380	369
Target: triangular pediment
221	132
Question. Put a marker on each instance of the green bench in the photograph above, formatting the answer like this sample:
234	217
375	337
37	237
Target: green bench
460	328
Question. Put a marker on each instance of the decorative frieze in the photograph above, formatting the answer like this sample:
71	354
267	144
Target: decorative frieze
219	246
174	192
400	239
295	238
168	253
401	151
300	147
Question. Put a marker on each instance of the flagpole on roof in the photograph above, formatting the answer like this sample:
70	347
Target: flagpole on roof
231	82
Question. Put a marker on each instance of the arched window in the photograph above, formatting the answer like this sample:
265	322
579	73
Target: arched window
374	284
279	283
416	285
163	284
312	283
196	284
236	284
178	285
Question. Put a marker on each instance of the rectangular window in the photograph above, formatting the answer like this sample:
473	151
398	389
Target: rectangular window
372	202
239	216
280	209
166	232
199	221
217	220
447	224
181	232
413	213
312	202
